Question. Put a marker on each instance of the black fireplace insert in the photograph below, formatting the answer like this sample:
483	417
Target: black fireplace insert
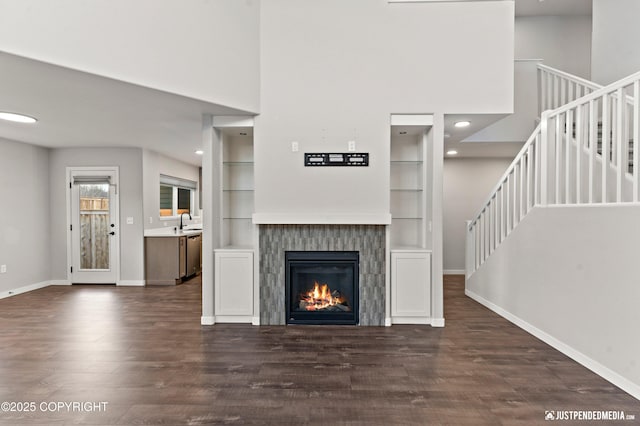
322	287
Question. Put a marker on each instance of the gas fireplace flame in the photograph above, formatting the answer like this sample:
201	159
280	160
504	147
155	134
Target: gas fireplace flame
321	297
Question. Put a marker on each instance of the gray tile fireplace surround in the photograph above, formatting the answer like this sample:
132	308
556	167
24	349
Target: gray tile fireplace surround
369	240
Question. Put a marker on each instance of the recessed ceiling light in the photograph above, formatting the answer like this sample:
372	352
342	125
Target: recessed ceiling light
461	124
452	152
199	152
18	118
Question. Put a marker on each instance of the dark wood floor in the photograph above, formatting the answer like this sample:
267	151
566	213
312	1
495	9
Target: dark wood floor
143	352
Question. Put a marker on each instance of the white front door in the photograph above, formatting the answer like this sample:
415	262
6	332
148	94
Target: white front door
93	227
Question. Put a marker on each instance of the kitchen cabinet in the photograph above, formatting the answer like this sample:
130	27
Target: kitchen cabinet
170	258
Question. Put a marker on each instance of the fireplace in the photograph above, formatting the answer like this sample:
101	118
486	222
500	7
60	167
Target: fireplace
321	287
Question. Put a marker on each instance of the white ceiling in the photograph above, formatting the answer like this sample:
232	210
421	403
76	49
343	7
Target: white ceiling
454	136
76	109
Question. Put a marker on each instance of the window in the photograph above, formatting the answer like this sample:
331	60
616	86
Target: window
177	196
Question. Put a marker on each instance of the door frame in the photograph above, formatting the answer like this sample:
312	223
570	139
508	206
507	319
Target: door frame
116	219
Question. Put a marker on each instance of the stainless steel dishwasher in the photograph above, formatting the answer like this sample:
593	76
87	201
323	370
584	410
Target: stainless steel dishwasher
193	254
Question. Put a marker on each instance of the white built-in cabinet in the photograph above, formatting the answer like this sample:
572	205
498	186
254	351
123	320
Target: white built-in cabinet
234	276
234	285
410	231
410	286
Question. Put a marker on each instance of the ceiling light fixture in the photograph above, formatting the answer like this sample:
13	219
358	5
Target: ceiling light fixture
461	124
452	152
199	152
17	118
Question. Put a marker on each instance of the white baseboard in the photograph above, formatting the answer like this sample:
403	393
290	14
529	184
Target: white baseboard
387	322
59	282
24	289
601	370
131	283
454	272
255	321
207	320
437	322
235	319
411	320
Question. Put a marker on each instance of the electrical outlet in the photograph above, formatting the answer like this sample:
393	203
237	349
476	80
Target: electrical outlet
129	221
3	269
351	146
294	146
150	219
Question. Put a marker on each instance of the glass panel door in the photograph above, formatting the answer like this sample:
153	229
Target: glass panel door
93	228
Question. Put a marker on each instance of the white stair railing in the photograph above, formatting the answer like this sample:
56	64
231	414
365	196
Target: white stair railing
516	193
592	144
557	88
580	153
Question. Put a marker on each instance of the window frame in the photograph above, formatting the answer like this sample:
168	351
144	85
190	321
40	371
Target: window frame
174	196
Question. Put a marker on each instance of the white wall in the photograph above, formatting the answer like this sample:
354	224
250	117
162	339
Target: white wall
467	184
516	127
569	274
129	161
615	40
563	42
153	165
203	49
24	216
334	71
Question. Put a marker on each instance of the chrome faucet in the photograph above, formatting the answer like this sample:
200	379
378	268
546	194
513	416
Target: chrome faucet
181	215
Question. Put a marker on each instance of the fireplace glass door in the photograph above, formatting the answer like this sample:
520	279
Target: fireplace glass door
322	287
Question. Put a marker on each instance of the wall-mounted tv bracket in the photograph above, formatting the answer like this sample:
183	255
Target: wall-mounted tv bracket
336	159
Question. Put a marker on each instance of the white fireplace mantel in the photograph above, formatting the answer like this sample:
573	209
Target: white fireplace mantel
321	219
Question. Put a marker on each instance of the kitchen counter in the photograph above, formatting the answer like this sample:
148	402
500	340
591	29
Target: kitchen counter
171	232
171	255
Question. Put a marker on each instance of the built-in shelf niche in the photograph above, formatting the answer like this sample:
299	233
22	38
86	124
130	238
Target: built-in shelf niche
409	198
237	189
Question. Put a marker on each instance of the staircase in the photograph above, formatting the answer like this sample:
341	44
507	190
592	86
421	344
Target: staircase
581	153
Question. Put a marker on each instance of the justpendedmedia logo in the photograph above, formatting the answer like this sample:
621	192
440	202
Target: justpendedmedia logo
587	415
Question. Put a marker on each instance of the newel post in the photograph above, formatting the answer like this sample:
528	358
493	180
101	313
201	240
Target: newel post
470	257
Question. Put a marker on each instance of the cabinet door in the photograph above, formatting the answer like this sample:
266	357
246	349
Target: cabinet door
234	283
162	260
410	284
